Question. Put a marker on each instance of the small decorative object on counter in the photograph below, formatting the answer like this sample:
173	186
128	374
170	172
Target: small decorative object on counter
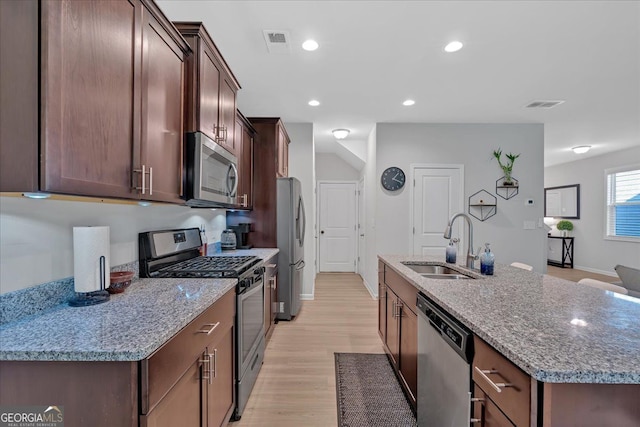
203	239
486	261
120	280
451	251
564	226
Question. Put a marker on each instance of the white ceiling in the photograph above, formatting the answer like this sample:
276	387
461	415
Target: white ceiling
375	54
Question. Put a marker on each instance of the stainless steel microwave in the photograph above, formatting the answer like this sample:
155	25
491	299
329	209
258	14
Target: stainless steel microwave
211	173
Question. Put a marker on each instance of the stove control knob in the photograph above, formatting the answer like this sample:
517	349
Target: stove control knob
259	270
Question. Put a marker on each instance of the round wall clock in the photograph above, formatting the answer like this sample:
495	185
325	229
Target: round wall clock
392	178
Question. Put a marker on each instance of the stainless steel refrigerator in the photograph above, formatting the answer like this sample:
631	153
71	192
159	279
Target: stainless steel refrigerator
291	224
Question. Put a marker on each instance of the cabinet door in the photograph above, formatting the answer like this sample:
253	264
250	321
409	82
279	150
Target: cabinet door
181	406
220	398
227	116
392	325
162	96
90	96
409	348
209	97
382	311
244	148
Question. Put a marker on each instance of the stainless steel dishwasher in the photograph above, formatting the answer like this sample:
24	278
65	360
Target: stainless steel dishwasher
445	352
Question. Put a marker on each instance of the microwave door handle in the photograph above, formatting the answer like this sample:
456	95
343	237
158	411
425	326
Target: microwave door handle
232	191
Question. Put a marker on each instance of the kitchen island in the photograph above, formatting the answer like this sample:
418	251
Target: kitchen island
580	346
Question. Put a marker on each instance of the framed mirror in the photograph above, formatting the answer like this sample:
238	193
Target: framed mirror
562	202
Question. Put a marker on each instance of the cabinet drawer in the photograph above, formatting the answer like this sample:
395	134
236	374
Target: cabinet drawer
405	290
167	365
513	400
487	412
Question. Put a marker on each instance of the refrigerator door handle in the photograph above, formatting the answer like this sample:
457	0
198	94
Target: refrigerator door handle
300	265
304	220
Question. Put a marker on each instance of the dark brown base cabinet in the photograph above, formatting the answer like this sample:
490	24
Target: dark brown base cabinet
270	295
102	131
398	326
188	382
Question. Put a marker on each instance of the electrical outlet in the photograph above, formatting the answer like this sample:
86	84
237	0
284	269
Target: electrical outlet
529	225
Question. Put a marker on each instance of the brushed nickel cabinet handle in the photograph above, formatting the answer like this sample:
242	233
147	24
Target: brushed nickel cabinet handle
215	363
208	331
142	171
206	373
150	180
496	386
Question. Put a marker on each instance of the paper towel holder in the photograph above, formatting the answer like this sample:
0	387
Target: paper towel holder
84	299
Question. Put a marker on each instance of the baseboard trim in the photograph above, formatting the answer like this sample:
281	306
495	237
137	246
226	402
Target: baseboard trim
374	295
595	270
307	297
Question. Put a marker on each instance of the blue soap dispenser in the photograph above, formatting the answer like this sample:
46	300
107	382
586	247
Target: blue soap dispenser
486	261
451	251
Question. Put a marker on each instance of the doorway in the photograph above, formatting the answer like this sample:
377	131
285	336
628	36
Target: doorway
337	221
438	193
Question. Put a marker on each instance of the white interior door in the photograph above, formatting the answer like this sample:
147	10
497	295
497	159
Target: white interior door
361	236
337	226
437	195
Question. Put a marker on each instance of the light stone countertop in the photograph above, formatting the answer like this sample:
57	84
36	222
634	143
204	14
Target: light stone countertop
527	317
129	327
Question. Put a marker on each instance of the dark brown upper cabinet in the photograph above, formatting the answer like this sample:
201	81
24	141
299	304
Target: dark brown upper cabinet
245	136
109	104
211	89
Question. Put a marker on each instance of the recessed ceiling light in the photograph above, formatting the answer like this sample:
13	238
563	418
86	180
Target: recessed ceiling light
408	102
314	102
310	45
578	322
581	149
340	133
454	46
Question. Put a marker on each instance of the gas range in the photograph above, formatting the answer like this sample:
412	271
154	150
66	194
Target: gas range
175	254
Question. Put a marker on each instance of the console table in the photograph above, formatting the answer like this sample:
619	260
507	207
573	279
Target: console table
567	252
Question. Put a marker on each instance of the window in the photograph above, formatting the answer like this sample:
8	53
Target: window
623	203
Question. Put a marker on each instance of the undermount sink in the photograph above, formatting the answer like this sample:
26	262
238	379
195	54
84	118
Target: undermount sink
432	271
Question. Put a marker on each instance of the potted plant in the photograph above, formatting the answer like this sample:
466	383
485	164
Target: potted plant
508	166
564	226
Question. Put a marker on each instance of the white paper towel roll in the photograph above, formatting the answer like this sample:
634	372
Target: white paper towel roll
89	245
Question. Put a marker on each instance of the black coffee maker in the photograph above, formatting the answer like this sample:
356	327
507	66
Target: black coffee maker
242	234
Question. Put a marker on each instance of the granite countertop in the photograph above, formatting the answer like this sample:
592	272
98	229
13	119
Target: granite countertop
555	330
129	327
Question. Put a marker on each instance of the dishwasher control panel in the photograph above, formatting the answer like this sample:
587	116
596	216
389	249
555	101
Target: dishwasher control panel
453	332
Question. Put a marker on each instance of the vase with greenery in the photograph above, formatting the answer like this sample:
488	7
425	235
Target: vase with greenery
507	167
564	226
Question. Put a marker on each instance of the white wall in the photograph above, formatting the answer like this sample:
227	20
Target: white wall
592	252
302	166
369	175
472	145
330	167
36	244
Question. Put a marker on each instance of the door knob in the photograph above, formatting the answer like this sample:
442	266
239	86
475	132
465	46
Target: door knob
322	232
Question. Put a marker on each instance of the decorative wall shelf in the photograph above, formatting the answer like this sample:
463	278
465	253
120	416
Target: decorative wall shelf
507	191
482	205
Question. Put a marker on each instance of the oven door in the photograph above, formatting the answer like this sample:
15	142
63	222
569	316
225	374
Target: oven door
250	322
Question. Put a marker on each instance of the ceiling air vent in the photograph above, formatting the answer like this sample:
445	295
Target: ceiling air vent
277	41
543	104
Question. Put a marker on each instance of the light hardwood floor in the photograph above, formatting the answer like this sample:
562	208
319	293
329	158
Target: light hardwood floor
574	275
296	386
